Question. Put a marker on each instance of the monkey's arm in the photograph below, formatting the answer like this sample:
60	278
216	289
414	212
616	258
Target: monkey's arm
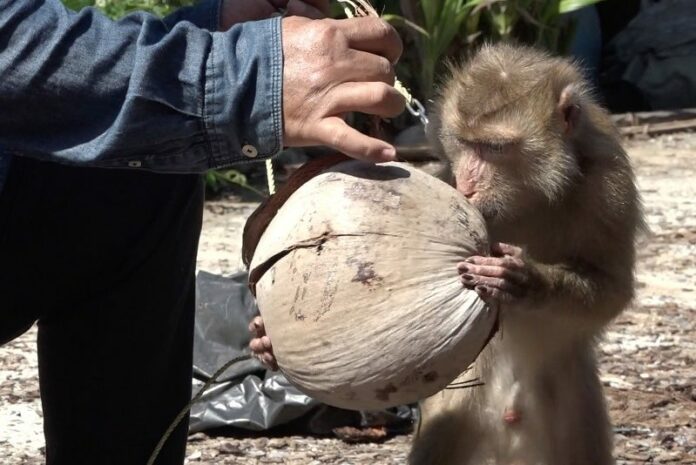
576	288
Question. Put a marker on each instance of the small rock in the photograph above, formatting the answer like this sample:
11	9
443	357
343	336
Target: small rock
197	437
277	443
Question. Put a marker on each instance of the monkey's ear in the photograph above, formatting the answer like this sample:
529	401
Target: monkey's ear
569	108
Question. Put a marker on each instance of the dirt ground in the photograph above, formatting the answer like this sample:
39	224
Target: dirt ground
647	357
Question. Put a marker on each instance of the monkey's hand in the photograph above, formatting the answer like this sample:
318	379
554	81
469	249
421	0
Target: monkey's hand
260	344
507	276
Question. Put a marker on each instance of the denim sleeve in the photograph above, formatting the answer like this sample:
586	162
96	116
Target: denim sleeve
142	92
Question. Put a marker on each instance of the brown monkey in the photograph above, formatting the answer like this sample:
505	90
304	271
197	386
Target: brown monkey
540	159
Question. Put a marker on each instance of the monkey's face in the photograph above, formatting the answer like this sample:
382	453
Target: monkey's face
504	120
483	177
504	177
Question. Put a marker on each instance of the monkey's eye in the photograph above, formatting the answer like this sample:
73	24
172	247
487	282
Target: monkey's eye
463	142
495	149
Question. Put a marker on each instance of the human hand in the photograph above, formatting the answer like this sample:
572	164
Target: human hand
332	67
238	11
260	344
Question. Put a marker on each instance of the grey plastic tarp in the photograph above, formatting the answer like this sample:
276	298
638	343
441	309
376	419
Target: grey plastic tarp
247	396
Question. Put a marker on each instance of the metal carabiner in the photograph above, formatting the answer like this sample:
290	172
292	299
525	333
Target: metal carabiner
418	110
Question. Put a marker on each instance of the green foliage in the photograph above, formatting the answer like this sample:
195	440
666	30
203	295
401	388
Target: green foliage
118	8
566	6
216	181
441	29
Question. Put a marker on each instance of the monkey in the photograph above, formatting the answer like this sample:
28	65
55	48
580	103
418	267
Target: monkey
529	146
533	151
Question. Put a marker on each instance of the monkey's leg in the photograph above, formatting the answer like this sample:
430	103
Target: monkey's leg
446	435
576	422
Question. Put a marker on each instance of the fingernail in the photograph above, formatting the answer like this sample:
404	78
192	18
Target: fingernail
469	260
467	277
389	153
464	268
481	290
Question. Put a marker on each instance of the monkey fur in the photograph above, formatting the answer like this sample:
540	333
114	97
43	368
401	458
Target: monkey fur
542	161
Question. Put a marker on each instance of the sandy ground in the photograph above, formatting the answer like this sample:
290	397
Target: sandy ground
647	357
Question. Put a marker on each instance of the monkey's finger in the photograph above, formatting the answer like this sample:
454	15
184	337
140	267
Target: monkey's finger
335	133
493	295
512	263
501	248
493	271
374	98
492	283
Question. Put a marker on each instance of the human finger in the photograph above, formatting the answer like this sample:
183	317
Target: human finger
335	133
270	361
374	98
365	67
372	35
257	347
256	325
266	343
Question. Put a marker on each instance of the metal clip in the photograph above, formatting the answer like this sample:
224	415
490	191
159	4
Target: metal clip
418	110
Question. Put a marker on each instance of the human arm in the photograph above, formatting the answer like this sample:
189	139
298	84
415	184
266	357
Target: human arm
82	88
79	88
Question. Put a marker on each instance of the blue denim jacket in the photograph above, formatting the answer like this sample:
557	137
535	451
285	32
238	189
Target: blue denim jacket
161	94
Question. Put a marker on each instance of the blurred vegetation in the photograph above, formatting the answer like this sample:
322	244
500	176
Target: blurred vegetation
118	8
449	29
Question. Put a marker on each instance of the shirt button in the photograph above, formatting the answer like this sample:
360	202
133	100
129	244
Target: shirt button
134	164
250	151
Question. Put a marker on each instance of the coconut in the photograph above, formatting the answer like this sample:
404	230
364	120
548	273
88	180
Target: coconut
355	277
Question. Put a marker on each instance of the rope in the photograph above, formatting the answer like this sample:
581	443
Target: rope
270	178
188	406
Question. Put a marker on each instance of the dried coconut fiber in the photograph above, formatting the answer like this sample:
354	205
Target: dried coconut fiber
354	270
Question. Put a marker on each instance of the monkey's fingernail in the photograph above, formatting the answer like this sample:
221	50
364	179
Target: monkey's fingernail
463	268
481	290
467	277
469	260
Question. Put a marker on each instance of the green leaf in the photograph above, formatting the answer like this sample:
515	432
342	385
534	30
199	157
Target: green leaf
566	6
77	5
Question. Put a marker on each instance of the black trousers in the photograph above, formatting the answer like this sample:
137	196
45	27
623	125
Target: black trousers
105	261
